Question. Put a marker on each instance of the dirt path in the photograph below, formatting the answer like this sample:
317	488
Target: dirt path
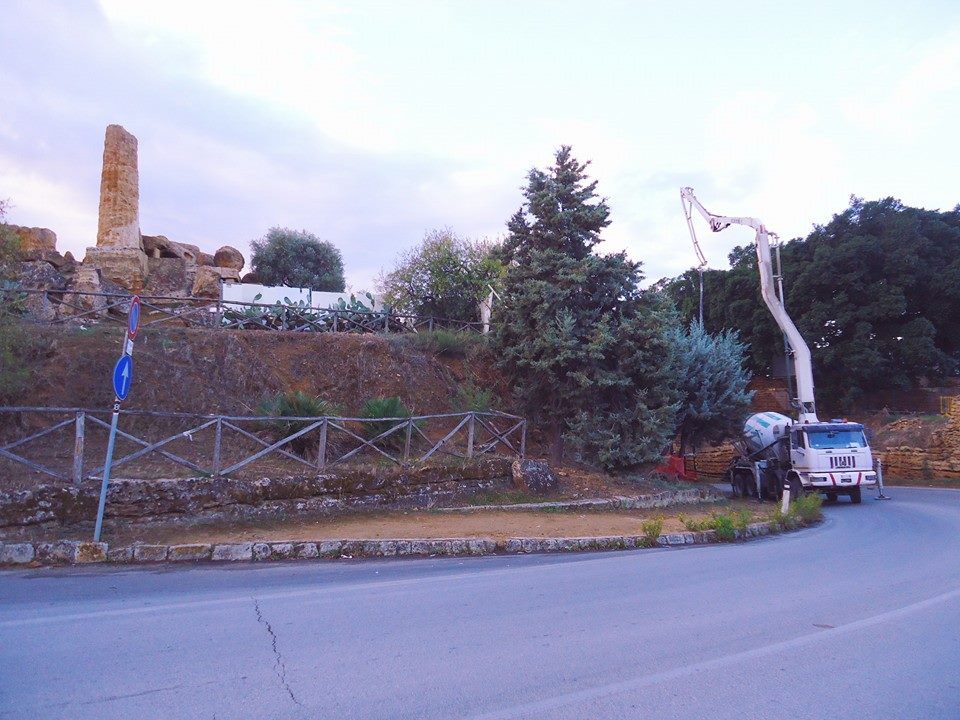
496	524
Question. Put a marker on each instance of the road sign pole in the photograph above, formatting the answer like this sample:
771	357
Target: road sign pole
122	379
106	470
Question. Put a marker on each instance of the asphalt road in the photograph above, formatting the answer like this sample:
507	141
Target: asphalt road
857	618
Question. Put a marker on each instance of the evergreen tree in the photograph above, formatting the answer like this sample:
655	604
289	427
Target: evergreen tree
714	383
586	349
297	258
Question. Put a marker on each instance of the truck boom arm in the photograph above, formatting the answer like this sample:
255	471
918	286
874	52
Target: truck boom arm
801	353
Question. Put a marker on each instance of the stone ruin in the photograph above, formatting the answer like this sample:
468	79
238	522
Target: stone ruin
124	260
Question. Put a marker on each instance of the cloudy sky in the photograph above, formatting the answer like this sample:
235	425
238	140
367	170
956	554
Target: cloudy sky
368	123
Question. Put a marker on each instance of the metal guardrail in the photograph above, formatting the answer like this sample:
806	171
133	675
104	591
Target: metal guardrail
231	314
400	440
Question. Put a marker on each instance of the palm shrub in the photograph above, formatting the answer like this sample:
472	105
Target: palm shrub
295	404
384	407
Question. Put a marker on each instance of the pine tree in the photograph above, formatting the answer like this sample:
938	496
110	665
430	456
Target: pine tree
586	348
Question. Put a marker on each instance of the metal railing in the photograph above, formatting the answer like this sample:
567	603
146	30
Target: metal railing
235	442
58	307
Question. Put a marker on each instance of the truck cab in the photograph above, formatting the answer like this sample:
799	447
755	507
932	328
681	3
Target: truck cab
832	457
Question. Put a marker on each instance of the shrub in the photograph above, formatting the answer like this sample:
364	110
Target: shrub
742	519
808	508
470	398
446	342
724	527
695	525
389	407
295	404
651	530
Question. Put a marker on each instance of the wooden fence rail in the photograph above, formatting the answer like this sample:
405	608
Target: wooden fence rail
332	440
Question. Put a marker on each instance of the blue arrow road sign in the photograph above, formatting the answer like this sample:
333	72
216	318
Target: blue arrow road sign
122	376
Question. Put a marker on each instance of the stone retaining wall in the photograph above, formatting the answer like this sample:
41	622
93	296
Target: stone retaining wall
210	498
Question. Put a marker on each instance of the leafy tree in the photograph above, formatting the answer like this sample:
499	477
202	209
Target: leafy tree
9	244
297	258
713	383
15	344
875	293
586	349
445	276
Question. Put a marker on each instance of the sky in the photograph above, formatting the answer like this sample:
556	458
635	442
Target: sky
370	123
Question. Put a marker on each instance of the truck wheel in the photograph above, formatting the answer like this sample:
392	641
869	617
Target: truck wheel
831	498
855	496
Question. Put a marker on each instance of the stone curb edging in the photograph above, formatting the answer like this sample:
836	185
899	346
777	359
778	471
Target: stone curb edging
77	552
637	502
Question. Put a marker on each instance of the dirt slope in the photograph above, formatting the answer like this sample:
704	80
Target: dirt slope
232	371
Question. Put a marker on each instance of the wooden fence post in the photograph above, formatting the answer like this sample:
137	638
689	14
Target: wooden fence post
471	426
78	443
523	440
322	446
406	442
336	315
217	444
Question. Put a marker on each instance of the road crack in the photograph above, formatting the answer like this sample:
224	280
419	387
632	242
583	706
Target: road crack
279	666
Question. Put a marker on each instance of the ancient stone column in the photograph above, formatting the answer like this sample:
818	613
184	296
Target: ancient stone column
119	253
119	225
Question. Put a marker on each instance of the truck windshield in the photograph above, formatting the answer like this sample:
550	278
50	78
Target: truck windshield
833	439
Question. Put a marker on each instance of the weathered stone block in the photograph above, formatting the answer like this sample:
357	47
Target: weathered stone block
122	554
89	552
329	548
191	552
305	550
533	476
126	267
55	552
261	551
281	551
16	553
232	552
206	283
150	553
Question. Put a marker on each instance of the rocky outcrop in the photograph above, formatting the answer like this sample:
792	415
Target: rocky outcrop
35	241
160	246
228	257
206	283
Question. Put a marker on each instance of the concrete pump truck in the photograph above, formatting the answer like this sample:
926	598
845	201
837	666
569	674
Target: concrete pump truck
776	452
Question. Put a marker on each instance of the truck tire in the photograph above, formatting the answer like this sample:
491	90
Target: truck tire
856	497
831	498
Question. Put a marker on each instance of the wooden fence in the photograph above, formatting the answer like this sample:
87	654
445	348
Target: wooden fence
225	445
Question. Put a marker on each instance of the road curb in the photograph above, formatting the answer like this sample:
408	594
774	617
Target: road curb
76	552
